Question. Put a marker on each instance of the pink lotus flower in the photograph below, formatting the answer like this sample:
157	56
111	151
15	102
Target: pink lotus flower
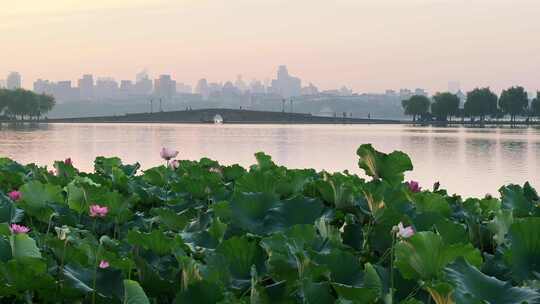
414	186
68	161
404	232
98	211
18	229
174	164
15	195
103	264
168	154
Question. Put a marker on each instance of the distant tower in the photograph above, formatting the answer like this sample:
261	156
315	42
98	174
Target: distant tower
13	81
86	87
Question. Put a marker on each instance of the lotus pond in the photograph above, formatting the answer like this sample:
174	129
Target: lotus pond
200	232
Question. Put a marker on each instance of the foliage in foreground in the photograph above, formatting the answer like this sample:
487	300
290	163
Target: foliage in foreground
199	232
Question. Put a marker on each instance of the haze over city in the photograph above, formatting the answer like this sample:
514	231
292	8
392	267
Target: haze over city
368	46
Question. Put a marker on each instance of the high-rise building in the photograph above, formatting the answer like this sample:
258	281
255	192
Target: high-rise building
43	86
421	92
165	87
202	88
86	87
240	84
183	88
310	90
257	87
106	88
63	91
143	84
13	81
285	84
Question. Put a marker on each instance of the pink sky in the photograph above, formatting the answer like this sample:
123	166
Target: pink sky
369	45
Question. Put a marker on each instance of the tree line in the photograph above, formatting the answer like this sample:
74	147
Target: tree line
480	103
23	104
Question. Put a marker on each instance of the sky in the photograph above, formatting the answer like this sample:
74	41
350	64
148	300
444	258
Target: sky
367	45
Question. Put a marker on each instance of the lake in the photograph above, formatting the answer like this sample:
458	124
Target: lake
468	161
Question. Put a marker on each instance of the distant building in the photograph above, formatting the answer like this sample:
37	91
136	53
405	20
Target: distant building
2	83
390	93
183	88
143	84
63	91
43	86
86	87
310	90
126	89
344	91
13	81
202	88
405	94
421	92
257	87
240	84
285	84
164	87
106	88
462	98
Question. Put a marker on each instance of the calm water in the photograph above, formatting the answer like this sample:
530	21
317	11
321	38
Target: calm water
465	160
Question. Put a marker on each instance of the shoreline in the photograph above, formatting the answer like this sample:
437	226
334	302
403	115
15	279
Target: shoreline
235	116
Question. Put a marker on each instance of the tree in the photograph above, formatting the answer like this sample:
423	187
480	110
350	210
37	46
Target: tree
481	102
446	104
24	103
514	101
416	105
535	106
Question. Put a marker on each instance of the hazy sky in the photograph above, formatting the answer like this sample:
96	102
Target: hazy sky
369	45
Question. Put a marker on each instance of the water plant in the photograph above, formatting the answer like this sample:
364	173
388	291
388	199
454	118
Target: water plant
201	232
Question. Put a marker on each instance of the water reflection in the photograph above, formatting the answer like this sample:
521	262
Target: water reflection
466	160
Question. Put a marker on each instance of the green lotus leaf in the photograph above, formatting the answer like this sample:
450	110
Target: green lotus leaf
155	241
344	267
264	161
233	259
424	255
233	172
258	181
76	198
28	274
252	212
5	249
530	193
23	246
170	219
299	210
500	225
9	213
473	287
316	293
133	293
379	165
37	197
513	198
207	238
451	232
524	249
432	203
108	281
202	292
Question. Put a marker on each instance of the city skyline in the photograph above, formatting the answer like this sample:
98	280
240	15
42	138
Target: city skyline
368	46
